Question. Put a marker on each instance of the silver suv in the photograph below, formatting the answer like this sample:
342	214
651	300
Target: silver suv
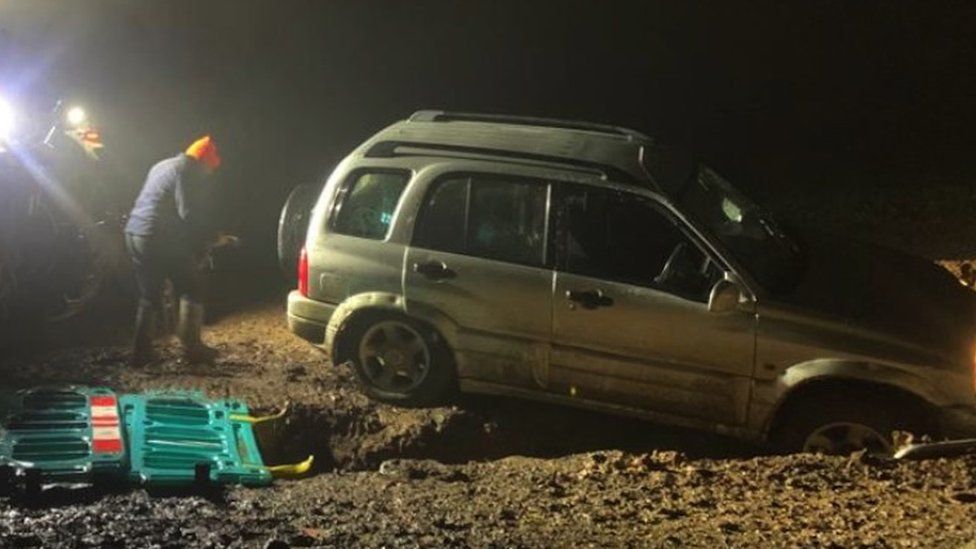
588	265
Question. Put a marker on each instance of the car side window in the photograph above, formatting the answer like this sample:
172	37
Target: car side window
627	238
366	203
442	223
486	216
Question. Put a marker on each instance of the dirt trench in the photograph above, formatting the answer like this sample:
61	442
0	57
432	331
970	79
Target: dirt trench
360	435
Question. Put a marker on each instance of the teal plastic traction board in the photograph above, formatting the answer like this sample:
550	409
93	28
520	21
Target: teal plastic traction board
68	434
180	438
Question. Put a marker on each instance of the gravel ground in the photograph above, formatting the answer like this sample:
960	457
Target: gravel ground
484	472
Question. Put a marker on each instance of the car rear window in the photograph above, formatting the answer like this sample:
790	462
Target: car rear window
486	216
367	202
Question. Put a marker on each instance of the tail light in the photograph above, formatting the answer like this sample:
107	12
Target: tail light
303	273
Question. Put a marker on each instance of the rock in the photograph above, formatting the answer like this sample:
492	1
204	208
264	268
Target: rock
390	467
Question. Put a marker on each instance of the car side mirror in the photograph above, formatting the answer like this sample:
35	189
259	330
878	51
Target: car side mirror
724	297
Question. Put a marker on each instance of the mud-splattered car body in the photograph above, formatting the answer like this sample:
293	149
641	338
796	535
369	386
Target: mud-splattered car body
531	252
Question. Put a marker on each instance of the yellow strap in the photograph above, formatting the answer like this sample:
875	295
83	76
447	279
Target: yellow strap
255	420
291	471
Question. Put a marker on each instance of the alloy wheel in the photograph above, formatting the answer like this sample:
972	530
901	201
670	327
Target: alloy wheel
394	356
843	438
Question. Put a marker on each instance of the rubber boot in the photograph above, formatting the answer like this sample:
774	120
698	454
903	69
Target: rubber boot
142	350
188	330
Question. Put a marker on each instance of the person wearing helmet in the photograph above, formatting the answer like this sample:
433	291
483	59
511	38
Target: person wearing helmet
167	232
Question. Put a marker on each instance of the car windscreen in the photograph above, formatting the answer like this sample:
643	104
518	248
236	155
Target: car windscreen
744	228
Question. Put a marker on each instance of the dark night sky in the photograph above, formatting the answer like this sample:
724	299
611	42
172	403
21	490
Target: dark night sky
760	89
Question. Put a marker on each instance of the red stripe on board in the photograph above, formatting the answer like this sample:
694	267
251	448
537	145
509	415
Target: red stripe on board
111	446
105	422
102	401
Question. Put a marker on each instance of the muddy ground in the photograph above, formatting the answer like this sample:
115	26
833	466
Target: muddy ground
483	472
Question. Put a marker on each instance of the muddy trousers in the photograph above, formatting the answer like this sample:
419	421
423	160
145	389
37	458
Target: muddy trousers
155	261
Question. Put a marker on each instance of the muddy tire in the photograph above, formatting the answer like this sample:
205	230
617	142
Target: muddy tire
842	423
398	360
293	226
87	263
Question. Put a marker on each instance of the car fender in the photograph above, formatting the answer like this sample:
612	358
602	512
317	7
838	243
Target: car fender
806	373
339	321
384	301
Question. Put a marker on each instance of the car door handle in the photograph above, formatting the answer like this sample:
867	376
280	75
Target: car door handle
434	270
589	299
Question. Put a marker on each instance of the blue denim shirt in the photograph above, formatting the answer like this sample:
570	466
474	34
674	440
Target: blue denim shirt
172	204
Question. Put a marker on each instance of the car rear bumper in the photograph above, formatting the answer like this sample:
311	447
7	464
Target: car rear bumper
958	422
308	318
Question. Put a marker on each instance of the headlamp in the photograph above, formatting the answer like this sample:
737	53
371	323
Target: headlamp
76	116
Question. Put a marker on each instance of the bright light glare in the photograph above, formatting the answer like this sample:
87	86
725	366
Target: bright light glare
76	116
6	120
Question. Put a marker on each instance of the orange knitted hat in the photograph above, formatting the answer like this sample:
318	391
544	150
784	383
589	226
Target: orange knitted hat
205	150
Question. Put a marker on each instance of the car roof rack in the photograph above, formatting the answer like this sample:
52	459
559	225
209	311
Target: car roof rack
388	149
446	116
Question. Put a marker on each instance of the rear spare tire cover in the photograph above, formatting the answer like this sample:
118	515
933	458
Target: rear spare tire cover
293	226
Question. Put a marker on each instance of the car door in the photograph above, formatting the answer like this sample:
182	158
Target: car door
478	257
629	331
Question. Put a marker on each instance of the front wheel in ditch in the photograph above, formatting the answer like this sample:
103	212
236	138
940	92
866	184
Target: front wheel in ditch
400	361
841	426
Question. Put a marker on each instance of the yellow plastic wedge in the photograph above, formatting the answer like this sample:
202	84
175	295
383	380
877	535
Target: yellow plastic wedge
291	471
255	420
